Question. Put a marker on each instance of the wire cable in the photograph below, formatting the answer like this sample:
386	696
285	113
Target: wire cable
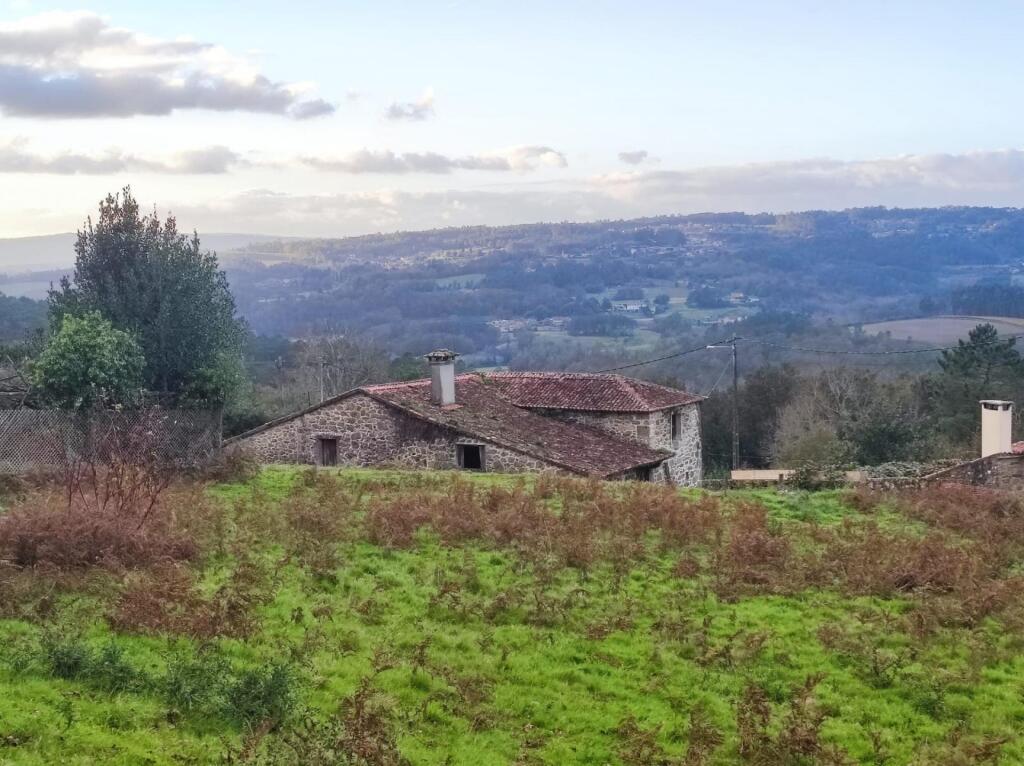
701	347
805	350
891	352
720	376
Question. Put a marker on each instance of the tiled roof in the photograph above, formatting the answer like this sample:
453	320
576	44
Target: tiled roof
482	412
585	391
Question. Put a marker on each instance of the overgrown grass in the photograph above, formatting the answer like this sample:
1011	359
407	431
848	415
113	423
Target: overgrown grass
382	617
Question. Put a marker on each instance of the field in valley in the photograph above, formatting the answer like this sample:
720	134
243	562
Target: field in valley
943	330
378	617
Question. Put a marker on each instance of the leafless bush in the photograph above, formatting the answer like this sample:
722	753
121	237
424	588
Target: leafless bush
43	531
592	522
167	600
993	518
111	509
795	739
639	746
753	556
317	519
865	559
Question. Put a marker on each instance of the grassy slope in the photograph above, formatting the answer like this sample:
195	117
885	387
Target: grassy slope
555	694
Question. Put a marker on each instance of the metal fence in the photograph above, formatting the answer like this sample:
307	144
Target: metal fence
39	440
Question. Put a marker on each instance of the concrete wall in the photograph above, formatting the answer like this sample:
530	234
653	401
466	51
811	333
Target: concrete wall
372	434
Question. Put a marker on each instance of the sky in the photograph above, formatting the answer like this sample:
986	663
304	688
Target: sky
339	118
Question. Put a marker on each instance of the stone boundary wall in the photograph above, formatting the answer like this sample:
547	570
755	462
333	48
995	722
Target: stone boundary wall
1005	471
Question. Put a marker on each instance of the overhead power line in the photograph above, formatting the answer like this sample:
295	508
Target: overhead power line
803	349
694	350
853	352
719	379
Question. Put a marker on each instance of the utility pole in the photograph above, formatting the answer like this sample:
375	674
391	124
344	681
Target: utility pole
322	378
735	408
731	344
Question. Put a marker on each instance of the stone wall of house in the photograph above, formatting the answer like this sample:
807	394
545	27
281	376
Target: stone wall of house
685	467
370	433
633	426
995	471
653	429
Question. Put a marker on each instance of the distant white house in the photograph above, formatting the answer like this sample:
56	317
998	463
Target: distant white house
629	307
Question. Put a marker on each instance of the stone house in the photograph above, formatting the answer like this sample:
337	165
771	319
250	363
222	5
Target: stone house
584	424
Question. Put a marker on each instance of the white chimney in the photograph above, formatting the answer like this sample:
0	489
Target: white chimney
996	422
442	376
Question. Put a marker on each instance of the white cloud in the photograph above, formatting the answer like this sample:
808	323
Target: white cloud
60	65
981	177
976	178
518	158
413	111
17	157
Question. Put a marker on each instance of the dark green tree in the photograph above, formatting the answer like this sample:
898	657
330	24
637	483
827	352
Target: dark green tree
149	280
984	366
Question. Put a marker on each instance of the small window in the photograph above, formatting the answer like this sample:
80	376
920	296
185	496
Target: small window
677	426
328	452
471	457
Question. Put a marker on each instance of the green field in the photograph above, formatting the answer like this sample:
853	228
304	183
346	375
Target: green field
943	329
382	617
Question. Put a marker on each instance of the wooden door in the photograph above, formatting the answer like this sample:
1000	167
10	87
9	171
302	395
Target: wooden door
328	452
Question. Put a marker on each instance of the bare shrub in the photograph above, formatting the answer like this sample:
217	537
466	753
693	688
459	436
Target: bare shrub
753	556
43	531
593	521
121	468
167	600
990	517
316	521
867	560
703	738
863	499
110	510
639	746
232	466
796	738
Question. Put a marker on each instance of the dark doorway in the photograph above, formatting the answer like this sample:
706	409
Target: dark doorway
328	452
471	457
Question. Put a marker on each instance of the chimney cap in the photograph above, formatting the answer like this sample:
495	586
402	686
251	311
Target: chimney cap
441	355
996	404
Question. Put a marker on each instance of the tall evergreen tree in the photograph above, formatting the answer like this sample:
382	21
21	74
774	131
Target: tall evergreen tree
147	279
984	366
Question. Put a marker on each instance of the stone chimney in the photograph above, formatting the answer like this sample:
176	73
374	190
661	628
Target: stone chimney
442	376
996	427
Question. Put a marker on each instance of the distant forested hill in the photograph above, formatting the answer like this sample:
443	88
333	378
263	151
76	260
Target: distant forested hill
19	317
489	290
447	284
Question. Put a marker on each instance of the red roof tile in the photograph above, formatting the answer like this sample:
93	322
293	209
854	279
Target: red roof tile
586	391
481	412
